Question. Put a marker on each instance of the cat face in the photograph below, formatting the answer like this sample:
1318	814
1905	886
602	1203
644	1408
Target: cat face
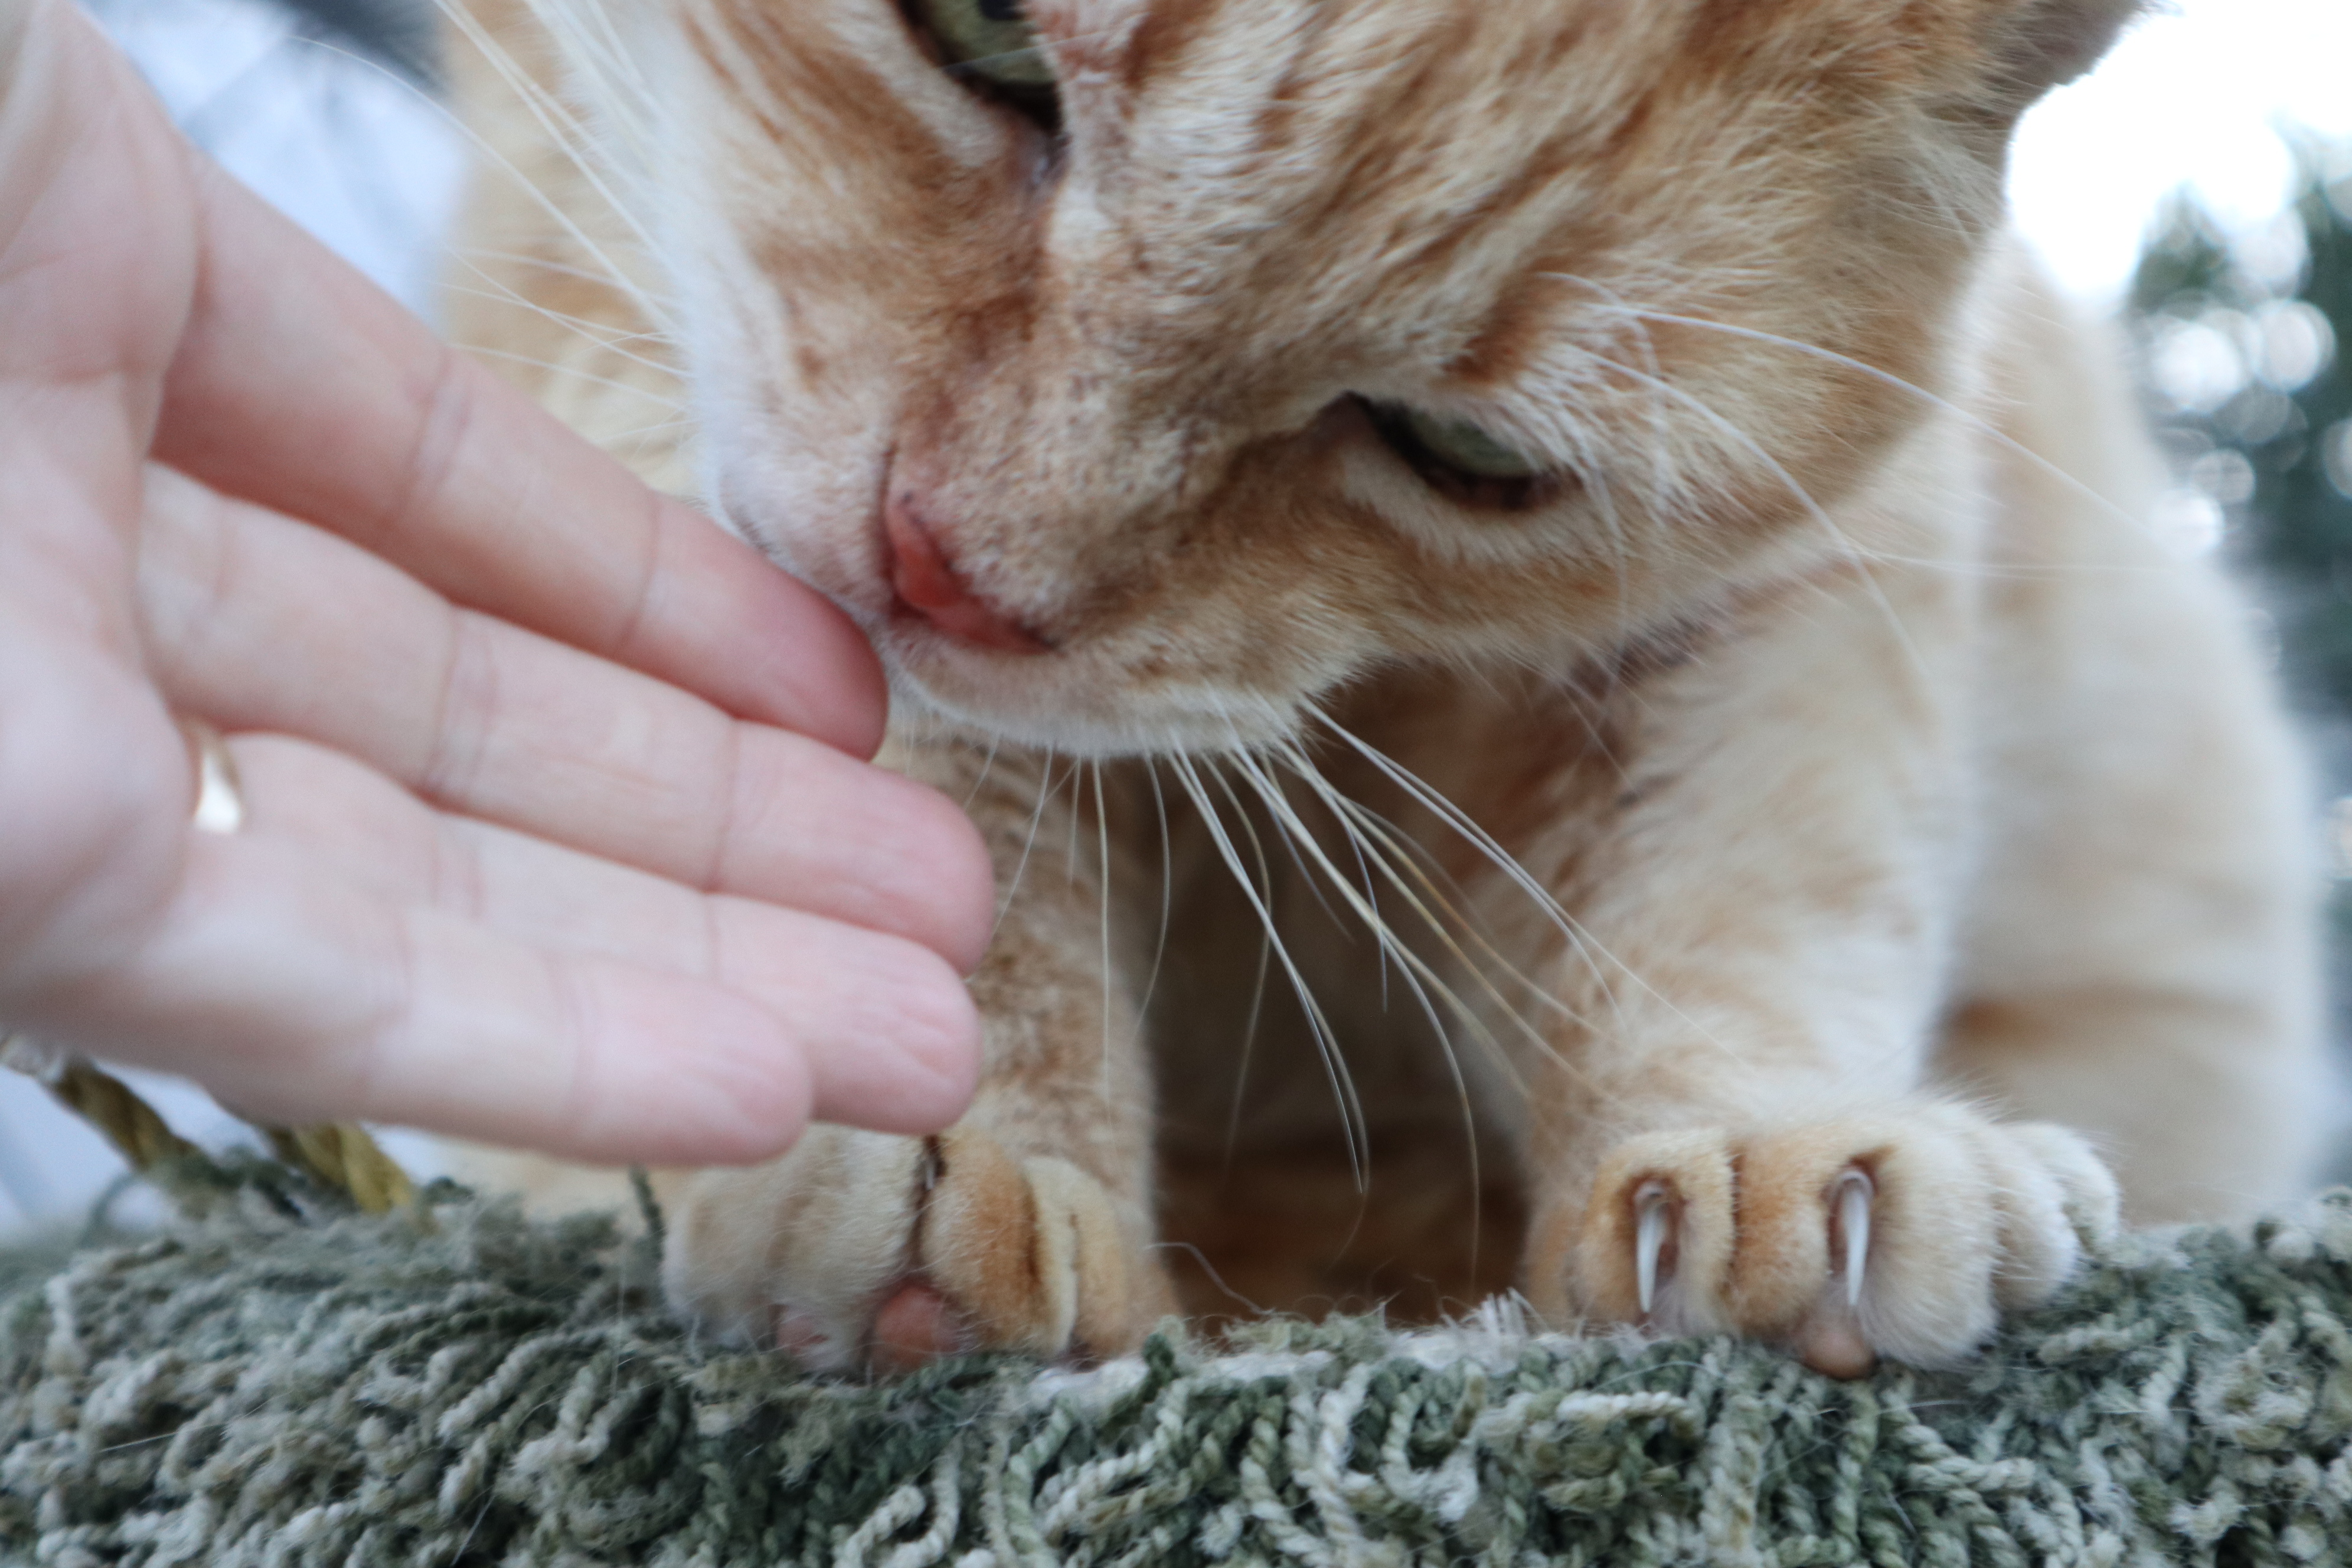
1137	370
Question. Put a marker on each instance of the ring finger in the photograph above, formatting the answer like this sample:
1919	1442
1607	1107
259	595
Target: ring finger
886	1025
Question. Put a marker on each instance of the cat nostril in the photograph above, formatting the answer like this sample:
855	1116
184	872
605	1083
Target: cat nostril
927	586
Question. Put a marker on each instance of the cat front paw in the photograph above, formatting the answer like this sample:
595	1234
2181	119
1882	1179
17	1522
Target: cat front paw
859	1251
1904	1234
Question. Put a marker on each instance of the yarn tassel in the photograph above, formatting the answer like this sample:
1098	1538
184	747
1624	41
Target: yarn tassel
341	1156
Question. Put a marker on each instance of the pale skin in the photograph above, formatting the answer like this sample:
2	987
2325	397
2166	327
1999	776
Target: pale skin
559	827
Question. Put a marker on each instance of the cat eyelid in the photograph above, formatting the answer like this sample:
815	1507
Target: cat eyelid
990	48
1463	462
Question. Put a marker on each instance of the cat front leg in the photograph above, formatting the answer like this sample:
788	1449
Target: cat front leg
1027	1225
1733	1127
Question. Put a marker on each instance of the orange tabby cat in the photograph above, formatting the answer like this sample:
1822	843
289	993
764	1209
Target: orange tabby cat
1545	617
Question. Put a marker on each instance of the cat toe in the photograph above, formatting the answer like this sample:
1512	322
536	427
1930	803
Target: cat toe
1653	1245
863	1252
1032	1251
1903	1235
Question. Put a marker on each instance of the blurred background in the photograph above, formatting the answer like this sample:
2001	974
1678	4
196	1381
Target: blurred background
2196	188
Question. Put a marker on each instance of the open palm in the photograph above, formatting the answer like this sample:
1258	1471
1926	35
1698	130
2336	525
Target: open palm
556	833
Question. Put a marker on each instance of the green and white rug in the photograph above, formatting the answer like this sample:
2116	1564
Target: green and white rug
287	1382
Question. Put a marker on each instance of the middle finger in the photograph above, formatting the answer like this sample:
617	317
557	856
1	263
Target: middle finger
258	622
884	1024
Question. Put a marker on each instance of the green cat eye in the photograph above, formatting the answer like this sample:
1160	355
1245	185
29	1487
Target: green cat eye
1461	445
990	39
1460	460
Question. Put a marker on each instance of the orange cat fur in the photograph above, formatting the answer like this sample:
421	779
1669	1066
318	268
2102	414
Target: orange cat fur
1586	489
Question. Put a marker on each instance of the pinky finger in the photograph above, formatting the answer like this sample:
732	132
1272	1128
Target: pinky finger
295	997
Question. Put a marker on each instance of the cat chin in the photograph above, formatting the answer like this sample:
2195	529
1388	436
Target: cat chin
1063	712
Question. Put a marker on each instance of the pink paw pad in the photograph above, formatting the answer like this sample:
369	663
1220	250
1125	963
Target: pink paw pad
915	1325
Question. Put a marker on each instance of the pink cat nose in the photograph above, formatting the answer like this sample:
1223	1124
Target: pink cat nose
928	586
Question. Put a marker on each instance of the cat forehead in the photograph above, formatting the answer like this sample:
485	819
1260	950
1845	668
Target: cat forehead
1335	50
1322	169
1335	159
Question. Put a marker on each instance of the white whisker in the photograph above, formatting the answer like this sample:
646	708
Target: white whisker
577	374
1070	850
1804	498
987	765
1388	849
1592	954
561	129
1167	897
474	257
1419	978
584	329
1326	1041
1976	422
1102	844
1036	817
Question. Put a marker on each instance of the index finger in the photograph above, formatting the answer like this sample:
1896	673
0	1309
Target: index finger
302	386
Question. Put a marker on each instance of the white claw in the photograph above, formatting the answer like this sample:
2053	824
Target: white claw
1653	1214
1854	1192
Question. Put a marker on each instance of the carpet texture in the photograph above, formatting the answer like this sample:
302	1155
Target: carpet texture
285	1382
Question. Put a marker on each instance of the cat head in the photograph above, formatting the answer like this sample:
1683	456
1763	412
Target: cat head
1135	371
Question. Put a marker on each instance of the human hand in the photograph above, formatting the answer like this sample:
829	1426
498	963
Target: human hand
555	831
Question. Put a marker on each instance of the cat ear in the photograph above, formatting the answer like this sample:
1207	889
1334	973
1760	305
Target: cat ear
2038	44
